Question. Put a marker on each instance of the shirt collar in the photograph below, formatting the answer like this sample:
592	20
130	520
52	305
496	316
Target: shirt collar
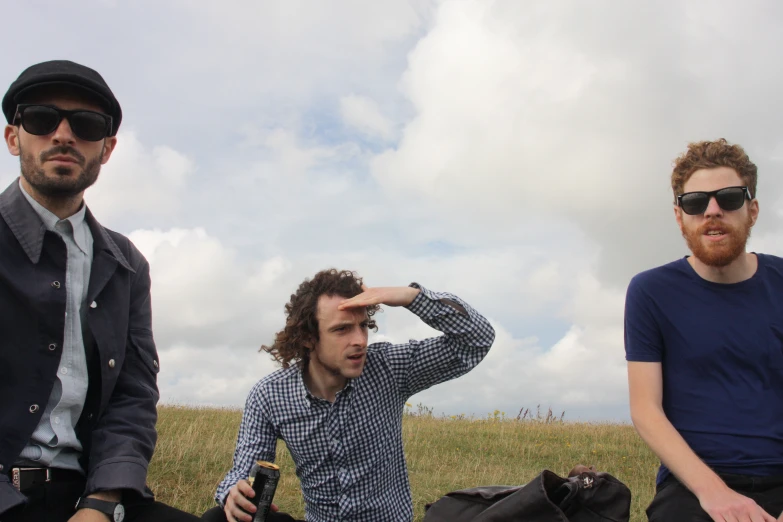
50	221
310	398
29	230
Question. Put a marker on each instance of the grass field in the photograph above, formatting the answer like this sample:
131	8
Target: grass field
195	448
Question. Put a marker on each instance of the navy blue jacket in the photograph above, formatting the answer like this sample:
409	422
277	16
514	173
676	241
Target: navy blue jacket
117	425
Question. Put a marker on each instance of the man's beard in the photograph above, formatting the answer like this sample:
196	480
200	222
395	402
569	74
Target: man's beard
723	254
61	186
333	370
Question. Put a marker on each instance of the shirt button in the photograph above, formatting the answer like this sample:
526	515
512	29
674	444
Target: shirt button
52	347
33	408
57	420
93	305
55	284
111	363
64	371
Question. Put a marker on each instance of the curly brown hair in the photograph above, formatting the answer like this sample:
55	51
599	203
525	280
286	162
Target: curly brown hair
301	325
710	155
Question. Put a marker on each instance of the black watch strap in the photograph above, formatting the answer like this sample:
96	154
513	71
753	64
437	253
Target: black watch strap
104	506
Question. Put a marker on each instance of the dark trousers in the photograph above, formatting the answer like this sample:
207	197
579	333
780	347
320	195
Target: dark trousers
216	514
674	502
54	502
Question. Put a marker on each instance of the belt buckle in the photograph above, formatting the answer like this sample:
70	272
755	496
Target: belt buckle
16	476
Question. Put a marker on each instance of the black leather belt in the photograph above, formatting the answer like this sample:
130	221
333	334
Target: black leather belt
26	478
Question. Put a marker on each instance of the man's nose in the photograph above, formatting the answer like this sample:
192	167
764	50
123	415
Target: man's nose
359	337
63	133
713	209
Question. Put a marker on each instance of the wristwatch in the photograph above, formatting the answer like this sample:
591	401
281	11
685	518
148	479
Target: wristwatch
114	510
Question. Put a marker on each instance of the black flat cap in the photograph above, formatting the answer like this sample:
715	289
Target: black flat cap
65	73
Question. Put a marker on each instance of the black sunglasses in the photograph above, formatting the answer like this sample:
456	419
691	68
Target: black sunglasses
729	198
41	120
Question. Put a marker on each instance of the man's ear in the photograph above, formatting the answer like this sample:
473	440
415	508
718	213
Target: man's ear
108	147
678	216
11	136
753	209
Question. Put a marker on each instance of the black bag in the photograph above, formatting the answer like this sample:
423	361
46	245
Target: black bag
587	497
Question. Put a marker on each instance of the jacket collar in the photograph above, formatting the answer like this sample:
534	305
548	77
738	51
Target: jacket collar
103	241
26	225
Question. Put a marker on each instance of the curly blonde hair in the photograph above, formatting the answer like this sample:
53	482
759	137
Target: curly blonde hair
710	155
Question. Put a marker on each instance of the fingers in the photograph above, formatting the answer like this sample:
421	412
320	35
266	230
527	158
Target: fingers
238	507
755	514
759	515
275	508
234	514
362	300
246	489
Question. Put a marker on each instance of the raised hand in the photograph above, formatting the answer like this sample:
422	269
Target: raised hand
389	296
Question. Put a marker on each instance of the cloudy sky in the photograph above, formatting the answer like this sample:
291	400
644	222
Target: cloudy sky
514	153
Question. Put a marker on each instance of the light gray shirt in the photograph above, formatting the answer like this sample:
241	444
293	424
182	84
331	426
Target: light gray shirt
54	442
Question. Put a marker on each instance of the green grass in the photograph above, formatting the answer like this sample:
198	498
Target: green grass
196	446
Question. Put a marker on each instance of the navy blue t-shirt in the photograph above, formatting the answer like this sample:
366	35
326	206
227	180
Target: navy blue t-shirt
721	352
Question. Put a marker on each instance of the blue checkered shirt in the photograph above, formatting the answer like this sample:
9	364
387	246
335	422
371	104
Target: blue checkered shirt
349	453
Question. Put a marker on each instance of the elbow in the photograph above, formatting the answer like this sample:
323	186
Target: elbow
490	335
645	416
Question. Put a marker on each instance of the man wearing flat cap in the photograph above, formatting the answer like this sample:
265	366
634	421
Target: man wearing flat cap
78	365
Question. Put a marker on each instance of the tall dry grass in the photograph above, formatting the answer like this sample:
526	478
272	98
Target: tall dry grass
196	445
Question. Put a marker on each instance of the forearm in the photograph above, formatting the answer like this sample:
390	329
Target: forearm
666	442
123	440
463	325
256	440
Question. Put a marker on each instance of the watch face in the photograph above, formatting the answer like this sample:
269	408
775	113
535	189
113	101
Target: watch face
119	513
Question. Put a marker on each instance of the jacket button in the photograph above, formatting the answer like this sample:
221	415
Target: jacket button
155	364
52	347
93	305
1	467
55	284
111	363
33	408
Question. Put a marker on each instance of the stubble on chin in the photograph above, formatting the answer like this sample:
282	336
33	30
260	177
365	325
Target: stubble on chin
59	187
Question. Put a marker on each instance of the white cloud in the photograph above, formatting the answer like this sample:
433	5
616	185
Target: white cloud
526	113
364	114
217	375
205	295
139	180
583	370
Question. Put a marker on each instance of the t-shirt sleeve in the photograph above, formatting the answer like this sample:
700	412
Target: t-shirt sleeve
643	340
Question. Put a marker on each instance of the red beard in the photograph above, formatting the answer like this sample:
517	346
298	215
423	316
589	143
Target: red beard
722	253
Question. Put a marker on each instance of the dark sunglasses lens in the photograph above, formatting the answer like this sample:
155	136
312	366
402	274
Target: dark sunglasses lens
40	121
731	198
694	203
89	126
